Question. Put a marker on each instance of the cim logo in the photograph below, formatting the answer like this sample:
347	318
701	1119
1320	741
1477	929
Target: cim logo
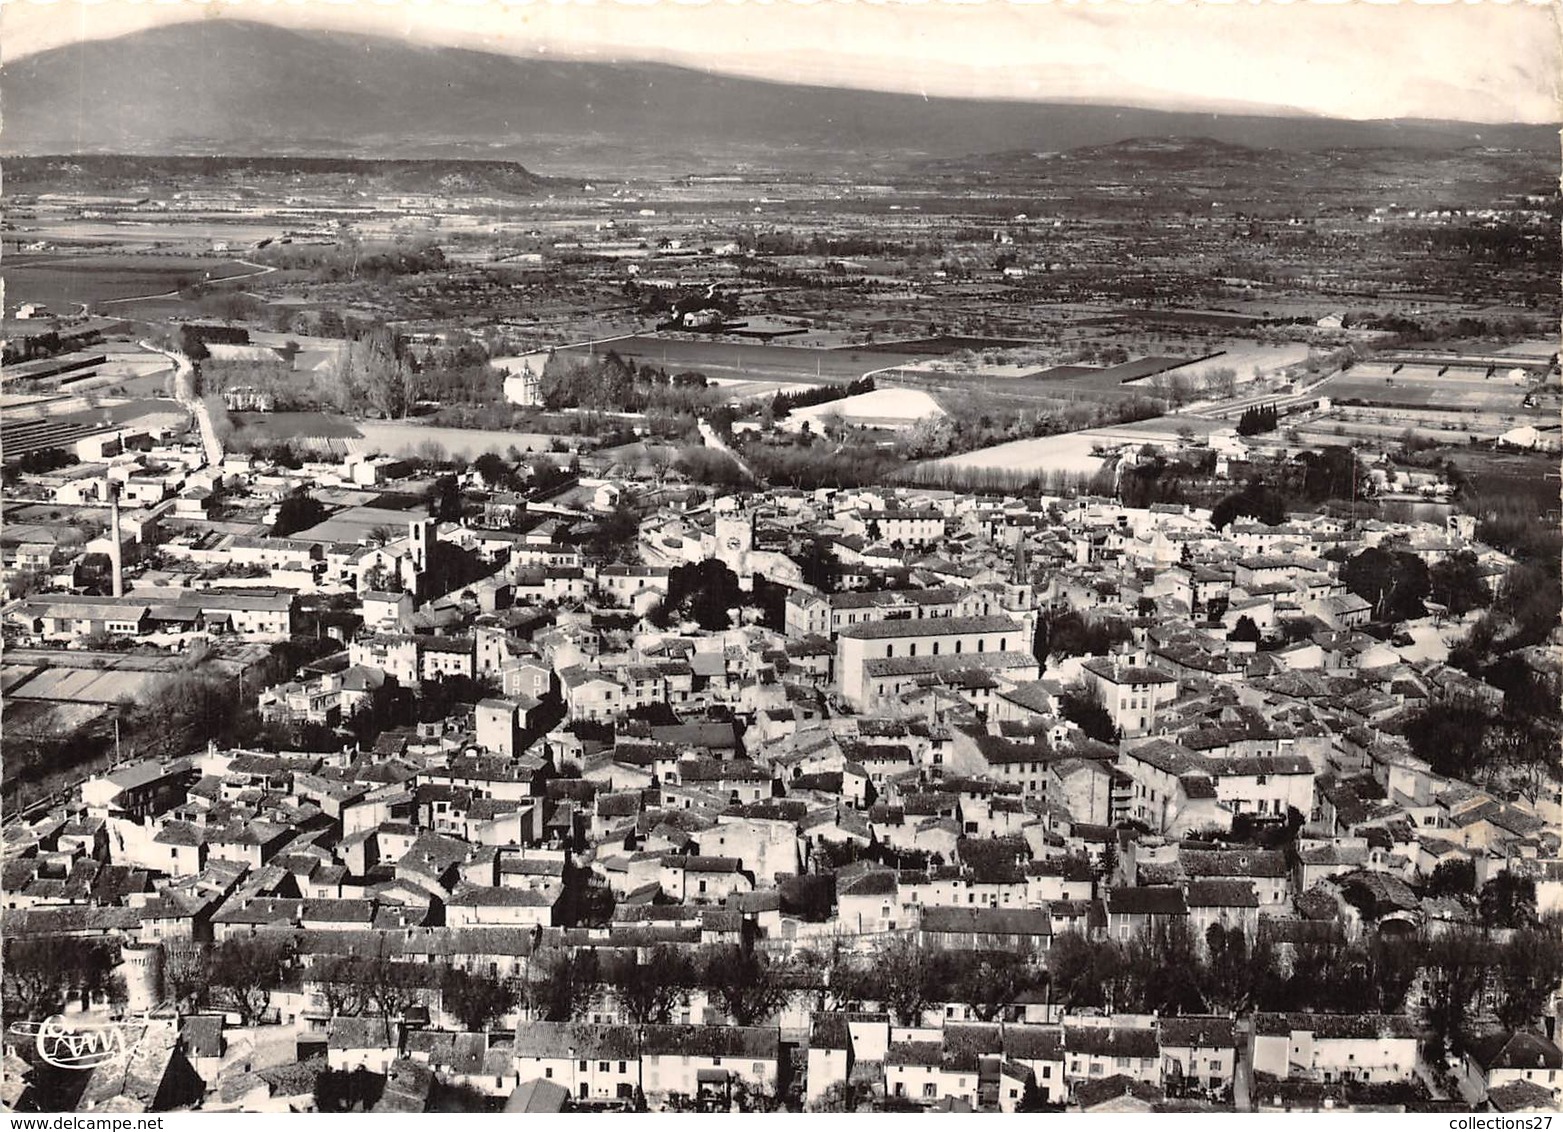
67	1044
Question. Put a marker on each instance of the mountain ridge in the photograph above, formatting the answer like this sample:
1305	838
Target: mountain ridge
228	86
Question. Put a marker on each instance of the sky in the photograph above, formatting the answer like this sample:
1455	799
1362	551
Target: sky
1492	61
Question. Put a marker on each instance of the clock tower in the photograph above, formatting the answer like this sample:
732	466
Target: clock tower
734	542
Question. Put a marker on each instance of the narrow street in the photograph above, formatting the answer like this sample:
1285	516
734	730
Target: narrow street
709	435
1243	1078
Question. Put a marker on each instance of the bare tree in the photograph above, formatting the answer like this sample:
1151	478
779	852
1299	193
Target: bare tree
248	970
1221	381
476	1000
343	981
392	988
650	990
901	969
748	985
186	975
33	982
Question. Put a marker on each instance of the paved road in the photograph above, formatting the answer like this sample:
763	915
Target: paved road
184	391
709	435
256	274
1235	405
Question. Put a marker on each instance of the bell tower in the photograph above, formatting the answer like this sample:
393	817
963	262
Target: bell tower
734	543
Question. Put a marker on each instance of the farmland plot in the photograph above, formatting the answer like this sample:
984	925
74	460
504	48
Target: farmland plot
61	282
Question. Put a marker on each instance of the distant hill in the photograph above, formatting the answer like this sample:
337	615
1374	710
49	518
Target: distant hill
116	172
1343	176
228	86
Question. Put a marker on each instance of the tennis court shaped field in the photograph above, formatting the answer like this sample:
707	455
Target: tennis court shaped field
80	685
1423	387
59	282
1065	382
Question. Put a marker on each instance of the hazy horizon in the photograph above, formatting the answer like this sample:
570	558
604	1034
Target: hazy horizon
1493	63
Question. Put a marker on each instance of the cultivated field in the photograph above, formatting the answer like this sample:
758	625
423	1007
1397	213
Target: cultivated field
305	428
62	282
882	408
405	438
196	234
1245	357
1159	429
335	433
748	390
1067	453
1541	347
746	361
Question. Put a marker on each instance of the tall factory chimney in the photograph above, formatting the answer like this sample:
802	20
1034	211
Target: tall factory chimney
116	552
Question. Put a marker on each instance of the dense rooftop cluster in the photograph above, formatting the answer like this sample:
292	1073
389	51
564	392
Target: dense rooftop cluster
844	798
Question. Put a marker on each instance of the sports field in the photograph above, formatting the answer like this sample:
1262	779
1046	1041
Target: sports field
1425	387
78	685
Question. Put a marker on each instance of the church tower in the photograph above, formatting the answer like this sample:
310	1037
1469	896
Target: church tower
734	543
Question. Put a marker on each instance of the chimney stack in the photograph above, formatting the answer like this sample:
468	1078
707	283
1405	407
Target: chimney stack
116	553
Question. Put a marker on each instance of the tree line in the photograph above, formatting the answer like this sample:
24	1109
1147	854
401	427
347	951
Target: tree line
784	403
1453	982
1258	419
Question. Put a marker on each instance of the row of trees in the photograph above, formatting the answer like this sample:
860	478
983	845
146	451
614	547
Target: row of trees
784	403
614	384
750	987
40	974
1454	982
352	258
1258	419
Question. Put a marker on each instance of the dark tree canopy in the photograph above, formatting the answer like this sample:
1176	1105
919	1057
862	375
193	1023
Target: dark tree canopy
1508	901
1451	738
445	499
1245	630
1393	582
1081	707
1258	419
1256	501
612	537
476	1000
1456	582
747	984
1065	633
819	565
702	592
1453	878
1330	473
650	989
298	512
